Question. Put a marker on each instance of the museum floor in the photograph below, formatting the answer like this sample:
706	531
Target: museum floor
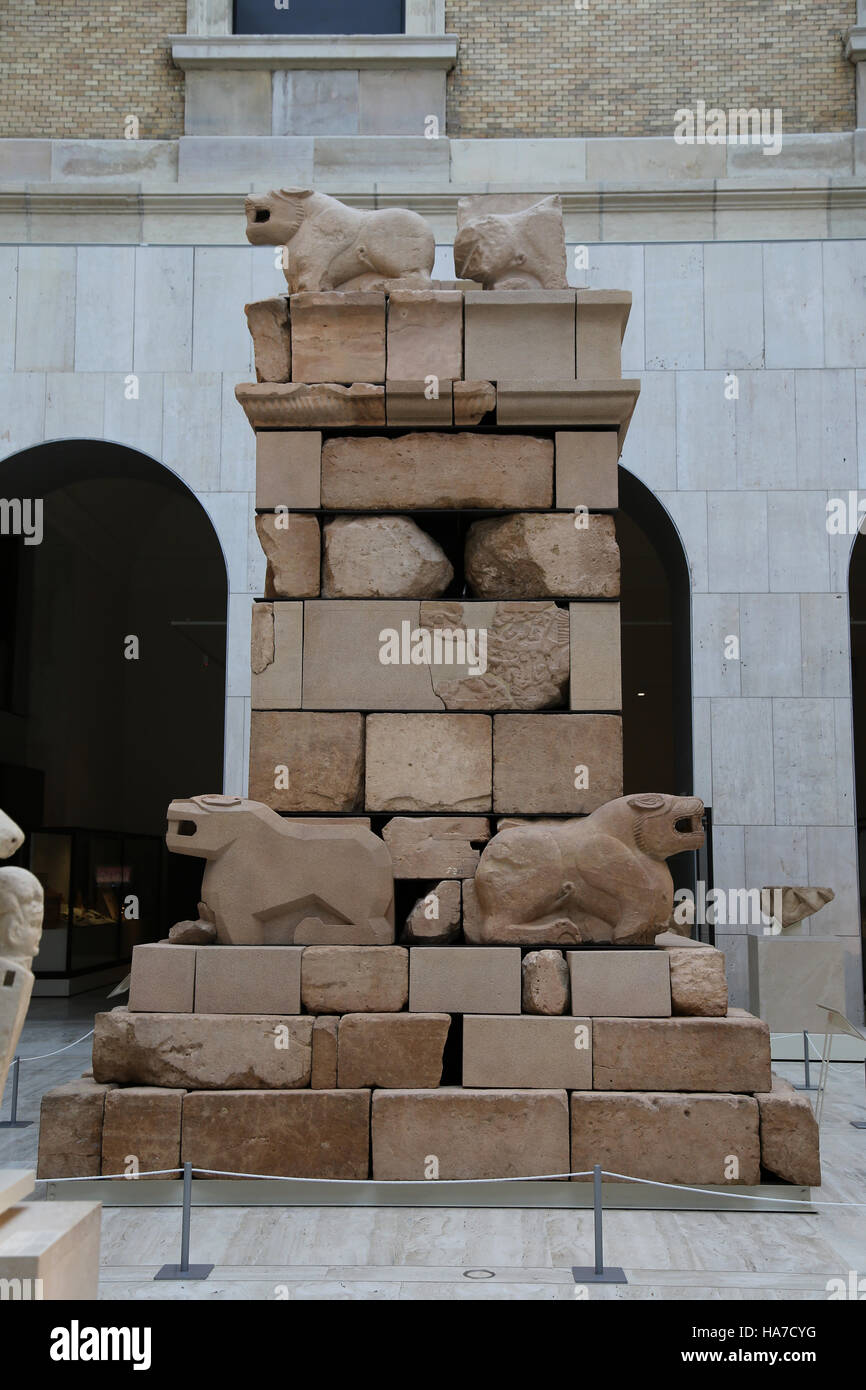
416	1253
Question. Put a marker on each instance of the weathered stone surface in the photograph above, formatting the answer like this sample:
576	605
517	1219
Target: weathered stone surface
292	1134
790	1145
162	978
292	546
699	985
288	469
596	658
202	1052
523	649
586	469
293	405
354	979
428	762
520	333
272	882
425	335
415	405
472	401
196	933
141	1122
391	1050
602	316
249	980
791	905
338	337
435	846
514	249
352	656
666	1138
470	1133
530	555
546	988
436	916
458	980
681	1054
306	761
276	655
70	1130
536	1053
438	471
324	1071
382	557
268	322
620	984
538	759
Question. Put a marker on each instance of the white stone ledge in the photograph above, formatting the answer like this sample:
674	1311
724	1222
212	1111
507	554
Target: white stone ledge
855	44
306	51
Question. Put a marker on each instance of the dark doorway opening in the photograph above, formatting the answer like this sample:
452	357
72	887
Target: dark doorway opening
857	609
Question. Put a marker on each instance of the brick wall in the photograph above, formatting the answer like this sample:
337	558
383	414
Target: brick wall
547	69
78	67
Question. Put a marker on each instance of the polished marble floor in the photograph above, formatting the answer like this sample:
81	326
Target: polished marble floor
277	1253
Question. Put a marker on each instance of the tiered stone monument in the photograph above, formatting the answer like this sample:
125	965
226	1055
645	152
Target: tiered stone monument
437	710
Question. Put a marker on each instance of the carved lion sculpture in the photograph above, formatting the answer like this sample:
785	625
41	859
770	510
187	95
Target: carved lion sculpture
514	250
602	878
334	247
21	908
275	882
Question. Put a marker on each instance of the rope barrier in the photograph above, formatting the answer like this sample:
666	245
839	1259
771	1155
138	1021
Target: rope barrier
42	1056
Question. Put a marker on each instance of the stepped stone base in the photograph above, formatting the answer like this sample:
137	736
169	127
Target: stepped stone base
300	1134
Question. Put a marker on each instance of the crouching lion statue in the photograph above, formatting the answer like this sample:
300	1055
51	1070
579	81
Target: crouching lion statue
334	247
275	882
602	878
21	908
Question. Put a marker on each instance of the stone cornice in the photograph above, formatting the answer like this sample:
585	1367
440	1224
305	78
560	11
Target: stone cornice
235	51
855	44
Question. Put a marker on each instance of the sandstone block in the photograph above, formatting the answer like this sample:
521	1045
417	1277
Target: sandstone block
435	846
699	985
395	1051
292	545
438	471
249	980
596	660
338	336
293	405
324	1071
70	1130
162	978
593	405
268	322
545	987
202	1052
790	1147
276	655
293	1134
471	1133
437	916
288	469
382	557
498	655
535	1053
538	758
586	469
666	1138
526	334
354	979
620	984
141	1123
305	761
54	1246
344	640
532	555
428	762
681	1054
412	405
425	335
463	980
472	401
602	316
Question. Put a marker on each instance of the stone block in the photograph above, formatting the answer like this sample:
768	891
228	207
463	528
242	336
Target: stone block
268	322
395	1051
202	1052
305	761
535	1053
288	469
436	917
70	1130
437	471
699	985
520	333
545	983
464	980
410	404
141	1122
249	980
470	1133
435	846
493	656
790	1147
681	1054
292	545
382	557
162	979
54	1243
666	1138
538	758
620	984
428	762
343	643
338	336
292	1134
552	555
234	102
399	101
586	469
602	316
472	401
325	405
425	335
276	652
592	405
324	1072
596	656
790	977
354	979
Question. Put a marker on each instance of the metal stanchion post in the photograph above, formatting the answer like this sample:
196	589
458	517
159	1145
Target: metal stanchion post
185	1270
598	1274
808	1082
13	1122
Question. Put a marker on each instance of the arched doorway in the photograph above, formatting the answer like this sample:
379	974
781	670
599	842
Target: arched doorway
112	692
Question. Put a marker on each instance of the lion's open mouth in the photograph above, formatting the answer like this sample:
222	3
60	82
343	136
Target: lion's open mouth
182	827
262	215
686	825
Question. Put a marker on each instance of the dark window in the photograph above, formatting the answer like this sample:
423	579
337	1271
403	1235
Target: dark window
319	16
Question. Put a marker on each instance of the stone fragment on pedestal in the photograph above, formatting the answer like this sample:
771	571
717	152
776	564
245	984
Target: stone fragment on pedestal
682	1054
531	555
338	336
293	405
292	546
513	655
790	1146
528	334
302	761
507	246
556	764
472	401
435	846
428	762
459	980
268	322
693	1139
545	988
70	1129
699	985
294	1134
792	905
288	469
162	978
586	469
249	980
620	984
391	1050
425	335
382	557
142	1125
527	1052
437	916
354	979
